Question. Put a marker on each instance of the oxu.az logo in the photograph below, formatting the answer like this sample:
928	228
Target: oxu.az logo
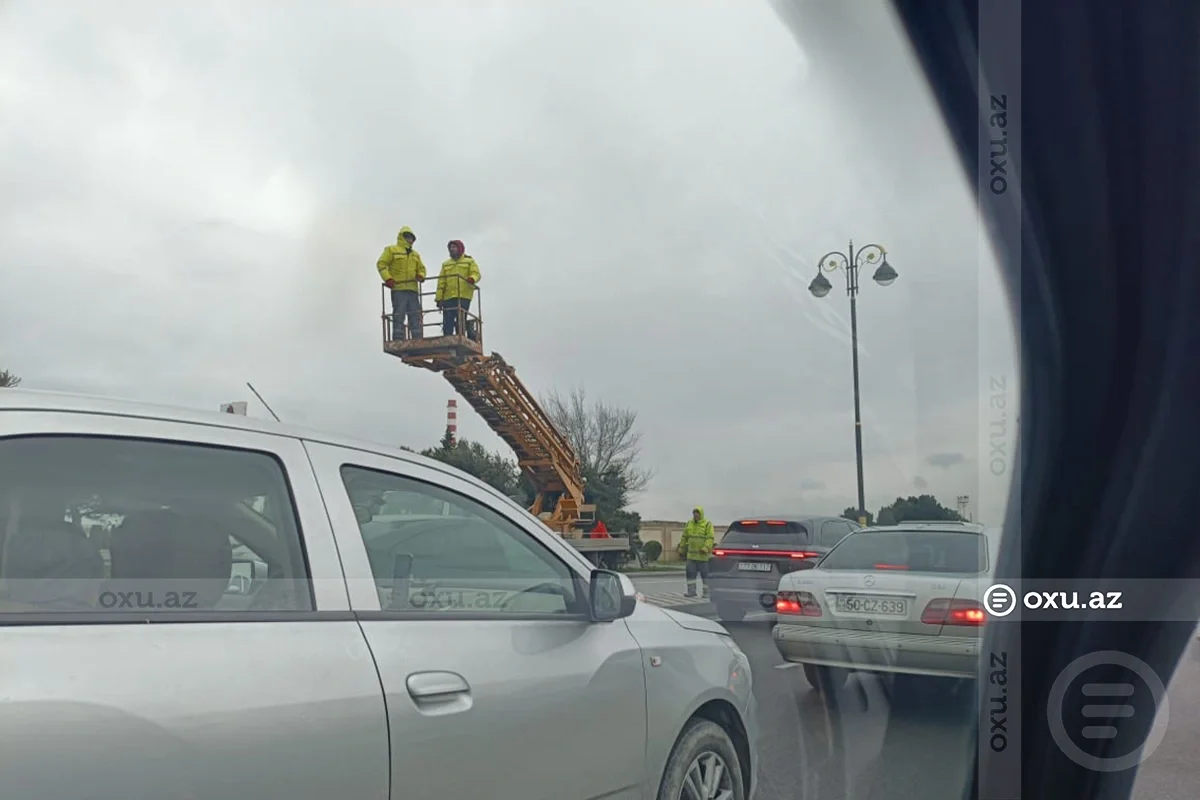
144	600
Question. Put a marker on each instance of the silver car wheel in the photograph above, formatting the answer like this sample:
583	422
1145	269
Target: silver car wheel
707	778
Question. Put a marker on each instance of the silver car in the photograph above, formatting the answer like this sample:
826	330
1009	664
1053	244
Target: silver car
905	599
249	625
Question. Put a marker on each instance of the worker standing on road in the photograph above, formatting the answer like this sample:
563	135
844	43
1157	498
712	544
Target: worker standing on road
696	546
455	288
402	271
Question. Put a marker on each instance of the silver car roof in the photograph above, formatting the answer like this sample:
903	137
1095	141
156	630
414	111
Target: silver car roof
948	527
30	400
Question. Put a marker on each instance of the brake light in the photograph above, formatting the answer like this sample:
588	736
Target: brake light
776	522
801	604
748	522
967	616
947	611
890	566
726	551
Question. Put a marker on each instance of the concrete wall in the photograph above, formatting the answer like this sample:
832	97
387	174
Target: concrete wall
667	533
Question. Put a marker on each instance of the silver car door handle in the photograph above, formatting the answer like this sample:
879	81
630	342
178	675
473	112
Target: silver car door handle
431	685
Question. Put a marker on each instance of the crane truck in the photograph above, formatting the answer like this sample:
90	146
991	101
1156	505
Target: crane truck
491	386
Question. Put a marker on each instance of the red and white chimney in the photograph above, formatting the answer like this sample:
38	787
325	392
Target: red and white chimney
452	420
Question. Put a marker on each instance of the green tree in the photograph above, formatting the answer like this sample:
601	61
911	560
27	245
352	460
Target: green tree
923	507
494	469
8	380
609	492
851	514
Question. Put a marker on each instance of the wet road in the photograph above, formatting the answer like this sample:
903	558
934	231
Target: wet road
910	739
914	737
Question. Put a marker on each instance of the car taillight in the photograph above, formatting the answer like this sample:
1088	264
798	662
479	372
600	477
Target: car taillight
890	566
730	551
799	603
947	611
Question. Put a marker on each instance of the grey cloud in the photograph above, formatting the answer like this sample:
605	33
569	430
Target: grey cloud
945	460
647	187
920	483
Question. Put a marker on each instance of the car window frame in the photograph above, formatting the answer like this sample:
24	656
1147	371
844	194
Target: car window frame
318	553
329	459
836	525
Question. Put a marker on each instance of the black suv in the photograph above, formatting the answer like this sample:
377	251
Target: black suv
757	551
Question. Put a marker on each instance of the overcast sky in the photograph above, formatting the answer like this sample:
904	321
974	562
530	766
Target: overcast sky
195	195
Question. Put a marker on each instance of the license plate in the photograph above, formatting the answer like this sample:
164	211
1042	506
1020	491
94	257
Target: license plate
871	604
754	566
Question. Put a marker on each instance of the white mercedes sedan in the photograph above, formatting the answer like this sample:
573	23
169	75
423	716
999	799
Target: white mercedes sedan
902	599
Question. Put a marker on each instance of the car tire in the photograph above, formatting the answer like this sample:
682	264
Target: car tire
702	746
730	613
825	679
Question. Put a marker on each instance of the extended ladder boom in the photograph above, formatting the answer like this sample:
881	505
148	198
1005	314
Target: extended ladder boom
544	455
493	389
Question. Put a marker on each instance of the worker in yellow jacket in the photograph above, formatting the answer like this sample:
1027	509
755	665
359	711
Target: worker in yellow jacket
455	288
696	546
403	272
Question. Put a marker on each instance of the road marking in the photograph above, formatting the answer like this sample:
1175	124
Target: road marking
672	599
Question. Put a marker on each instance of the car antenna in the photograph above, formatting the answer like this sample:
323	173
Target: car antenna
264	402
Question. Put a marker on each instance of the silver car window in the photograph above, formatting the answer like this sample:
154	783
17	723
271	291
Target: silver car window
126	525
465	558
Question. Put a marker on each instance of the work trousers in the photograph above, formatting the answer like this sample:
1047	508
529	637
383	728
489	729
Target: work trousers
406	303
450	316
693	569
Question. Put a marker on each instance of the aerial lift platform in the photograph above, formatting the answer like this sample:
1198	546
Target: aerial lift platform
491	386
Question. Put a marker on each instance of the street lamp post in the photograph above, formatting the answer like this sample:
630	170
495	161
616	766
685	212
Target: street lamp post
849	262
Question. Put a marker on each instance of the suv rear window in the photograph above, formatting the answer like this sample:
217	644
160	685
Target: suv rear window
916	551
764	531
